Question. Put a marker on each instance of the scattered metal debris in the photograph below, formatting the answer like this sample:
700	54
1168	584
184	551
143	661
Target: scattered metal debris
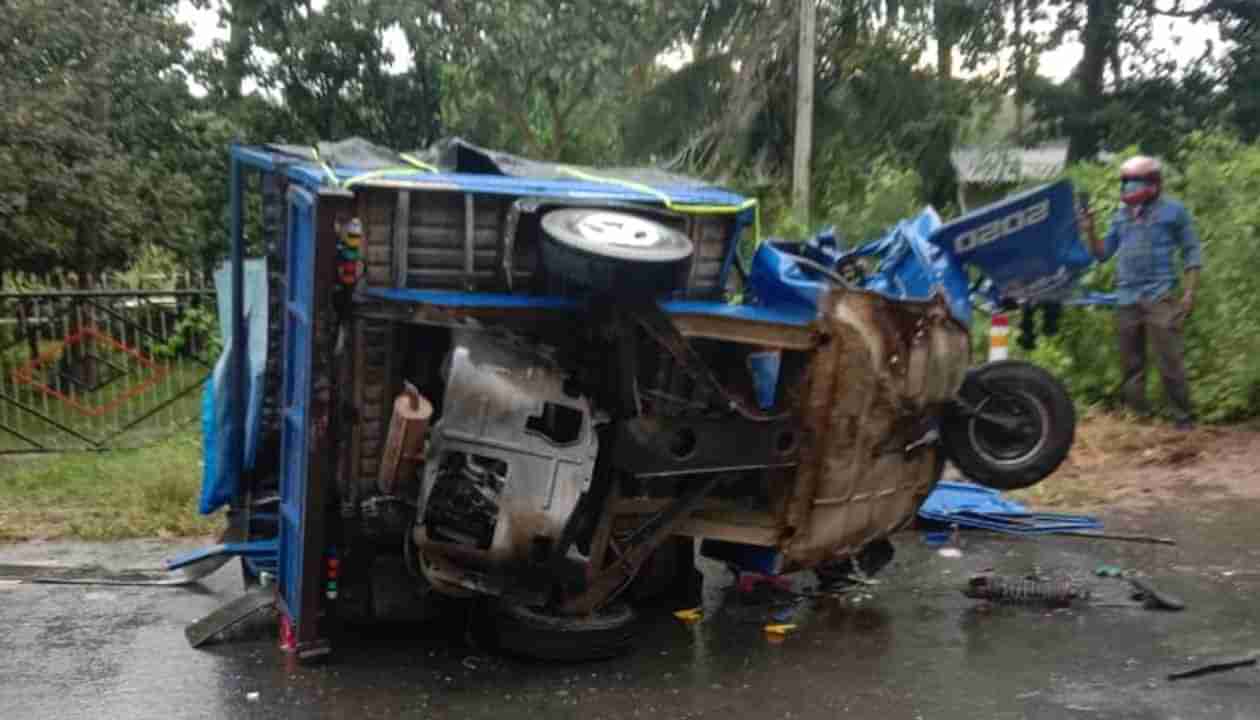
1215	667
691	615
228	616
1024	591
1123	537
95	575
1154	599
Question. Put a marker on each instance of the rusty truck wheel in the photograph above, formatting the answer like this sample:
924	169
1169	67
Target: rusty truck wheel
1013	428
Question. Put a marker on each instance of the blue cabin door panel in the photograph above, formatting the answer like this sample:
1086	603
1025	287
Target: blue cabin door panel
296	397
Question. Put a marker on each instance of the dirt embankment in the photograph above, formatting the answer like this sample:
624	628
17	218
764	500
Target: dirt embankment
1116	462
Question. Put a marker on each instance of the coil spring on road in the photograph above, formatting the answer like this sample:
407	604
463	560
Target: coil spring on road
1024	591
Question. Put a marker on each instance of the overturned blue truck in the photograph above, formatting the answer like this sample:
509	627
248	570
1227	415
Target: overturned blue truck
465	374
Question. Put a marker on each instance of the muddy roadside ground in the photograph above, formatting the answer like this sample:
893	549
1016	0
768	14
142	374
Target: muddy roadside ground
1120	465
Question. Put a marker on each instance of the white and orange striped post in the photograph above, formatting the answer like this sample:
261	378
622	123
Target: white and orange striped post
999	337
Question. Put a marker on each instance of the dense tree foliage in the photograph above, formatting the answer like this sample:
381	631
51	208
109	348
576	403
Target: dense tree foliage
113	130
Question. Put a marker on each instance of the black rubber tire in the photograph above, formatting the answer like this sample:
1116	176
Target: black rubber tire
540	635
987	454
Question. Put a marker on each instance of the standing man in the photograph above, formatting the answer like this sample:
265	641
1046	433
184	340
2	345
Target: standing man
1145	233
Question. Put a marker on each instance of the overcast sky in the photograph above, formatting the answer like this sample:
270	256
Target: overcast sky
1184	40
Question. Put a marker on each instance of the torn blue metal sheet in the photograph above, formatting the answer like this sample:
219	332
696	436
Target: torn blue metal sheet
223	462
908	267
255	549
973	506
1028	244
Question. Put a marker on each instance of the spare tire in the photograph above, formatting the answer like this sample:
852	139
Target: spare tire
536	633
615	253
1013	426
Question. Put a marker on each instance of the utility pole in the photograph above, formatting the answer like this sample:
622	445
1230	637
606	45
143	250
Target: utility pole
803	141
1021	65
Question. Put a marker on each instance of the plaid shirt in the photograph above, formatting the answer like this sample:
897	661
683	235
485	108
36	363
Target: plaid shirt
1145	269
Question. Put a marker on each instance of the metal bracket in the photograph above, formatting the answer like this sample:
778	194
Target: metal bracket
660	446
609	582
257	549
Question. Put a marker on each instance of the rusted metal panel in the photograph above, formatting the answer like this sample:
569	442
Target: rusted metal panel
749	332
872	390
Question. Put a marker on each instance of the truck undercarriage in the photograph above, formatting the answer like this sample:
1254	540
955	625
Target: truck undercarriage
538	396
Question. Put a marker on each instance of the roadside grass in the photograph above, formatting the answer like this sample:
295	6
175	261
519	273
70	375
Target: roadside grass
147	492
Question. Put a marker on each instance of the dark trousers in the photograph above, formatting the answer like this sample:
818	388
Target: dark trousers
1161	322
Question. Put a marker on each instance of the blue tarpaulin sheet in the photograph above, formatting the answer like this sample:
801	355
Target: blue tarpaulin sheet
973	506
220	470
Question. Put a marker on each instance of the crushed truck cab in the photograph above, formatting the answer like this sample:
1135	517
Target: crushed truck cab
475	375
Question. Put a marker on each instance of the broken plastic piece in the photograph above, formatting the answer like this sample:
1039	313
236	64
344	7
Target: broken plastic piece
748	581
780	629
690	616
1154	599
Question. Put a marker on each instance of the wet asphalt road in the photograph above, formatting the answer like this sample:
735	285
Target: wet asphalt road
912	647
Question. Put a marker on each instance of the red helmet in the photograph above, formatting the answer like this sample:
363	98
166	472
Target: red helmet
1140	180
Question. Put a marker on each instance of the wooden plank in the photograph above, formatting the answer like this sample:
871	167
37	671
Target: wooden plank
445	277
377	274
440	257
378	254
380	205
765	537
438	236
402	232
710	269
408	426
712	250
446	209
443	209
378	234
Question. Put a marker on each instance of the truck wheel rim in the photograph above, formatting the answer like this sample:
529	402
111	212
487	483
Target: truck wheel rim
1003	447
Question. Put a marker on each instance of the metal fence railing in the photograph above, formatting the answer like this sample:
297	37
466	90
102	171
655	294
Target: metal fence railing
103	364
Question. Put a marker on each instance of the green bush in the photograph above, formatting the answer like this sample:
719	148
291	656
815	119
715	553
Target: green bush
1218	178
